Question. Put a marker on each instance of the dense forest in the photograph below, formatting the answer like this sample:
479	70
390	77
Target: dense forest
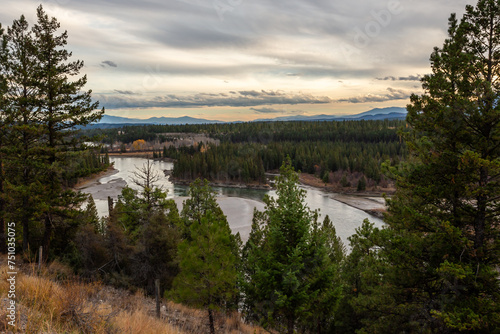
433	268
248	150
262	132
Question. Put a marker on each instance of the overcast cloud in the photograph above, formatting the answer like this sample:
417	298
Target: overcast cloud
233	99
326	56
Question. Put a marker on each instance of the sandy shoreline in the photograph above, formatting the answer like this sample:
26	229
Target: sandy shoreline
93	180
369	201
374	206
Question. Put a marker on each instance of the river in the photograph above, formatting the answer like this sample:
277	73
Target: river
237	204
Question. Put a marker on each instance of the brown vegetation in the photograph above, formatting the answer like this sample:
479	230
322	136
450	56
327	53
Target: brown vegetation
54	301
335	184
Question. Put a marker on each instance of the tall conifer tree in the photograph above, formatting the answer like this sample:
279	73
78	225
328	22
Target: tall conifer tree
63	105
208	255
444	244
289	267
22	134
40	111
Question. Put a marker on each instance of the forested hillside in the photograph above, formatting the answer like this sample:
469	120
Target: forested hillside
248	150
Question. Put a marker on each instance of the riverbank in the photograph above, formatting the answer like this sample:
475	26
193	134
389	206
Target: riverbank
313	181
237	203
93	179
141	154
374	206
371	201
223	184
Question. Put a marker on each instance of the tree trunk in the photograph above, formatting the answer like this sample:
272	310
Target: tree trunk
47	234
26	226
211	321
480	219
290	325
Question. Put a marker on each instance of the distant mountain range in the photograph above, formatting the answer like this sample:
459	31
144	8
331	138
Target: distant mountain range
374	114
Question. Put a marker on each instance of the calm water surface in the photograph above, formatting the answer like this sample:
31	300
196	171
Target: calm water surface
236	203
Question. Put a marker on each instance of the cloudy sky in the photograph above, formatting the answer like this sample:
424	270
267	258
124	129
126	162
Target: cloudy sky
248	59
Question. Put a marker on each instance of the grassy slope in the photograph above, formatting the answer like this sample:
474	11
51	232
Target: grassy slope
48	304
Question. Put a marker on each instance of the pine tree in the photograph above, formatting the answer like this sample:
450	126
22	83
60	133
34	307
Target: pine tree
325	257
361	184
135	208
148	222
90	242
444	244
201	200
365	298
63	105
91	216
208	275
288	266
20	114
155	256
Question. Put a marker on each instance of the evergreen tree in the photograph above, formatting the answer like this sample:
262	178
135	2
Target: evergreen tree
63	105
287	263
155	256
444	242
208	275
39	111
365	297
201	200
334	244
136	208
149	223
90	243
91	216
361	184
22	133
325	255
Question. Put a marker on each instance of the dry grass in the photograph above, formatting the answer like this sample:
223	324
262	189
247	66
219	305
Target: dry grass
196	321
136	321
47	304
